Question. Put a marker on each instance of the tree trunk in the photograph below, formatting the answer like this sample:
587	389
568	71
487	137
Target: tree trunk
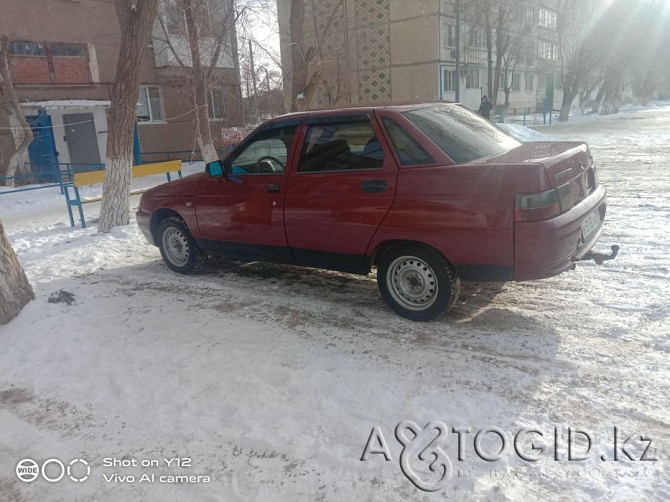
500	51
12	103
298	57
203	132
571	87
569	96
15	290
489	49
136	19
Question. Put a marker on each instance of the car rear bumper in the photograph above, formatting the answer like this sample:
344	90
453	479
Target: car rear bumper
546	248
144	223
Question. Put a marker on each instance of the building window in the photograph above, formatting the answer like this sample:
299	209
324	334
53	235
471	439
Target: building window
548	51
449	36
472	78
547	19
55	63
448	80
530	80
217	106
69	50
26	49
149	106
477	38
516	81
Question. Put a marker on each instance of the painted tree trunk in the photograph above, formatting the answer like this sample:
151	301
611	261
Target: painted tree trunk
15	290
136	19
203	133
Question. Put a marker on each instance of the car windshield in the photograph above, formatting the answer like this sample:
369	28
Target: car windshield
461	134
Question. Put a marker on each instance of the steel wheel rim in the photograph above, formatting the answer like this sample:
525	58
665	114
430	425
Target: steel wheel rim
412	283
175	245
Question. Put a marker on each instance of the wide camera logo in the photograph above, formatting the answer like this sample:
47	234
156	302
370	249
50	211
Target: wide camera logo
78	470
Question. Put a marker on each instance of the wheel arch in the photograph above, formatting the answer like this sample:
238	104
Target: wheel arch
383	246
158	216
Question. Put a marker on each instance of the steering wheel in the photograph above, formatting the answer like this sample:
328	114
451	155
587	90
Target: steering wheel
269	161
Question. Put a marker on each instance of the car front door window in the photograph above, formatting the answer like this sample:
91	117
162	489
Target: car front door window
265	155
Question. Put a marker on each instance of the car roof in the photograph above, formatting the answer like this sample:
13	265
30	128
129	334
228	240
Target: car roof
362	108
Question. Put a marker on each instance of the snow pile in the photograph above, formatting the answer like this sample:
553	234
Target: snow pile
522	133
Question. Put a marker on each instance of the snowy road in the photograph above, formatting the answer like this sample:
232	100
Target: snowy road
271	378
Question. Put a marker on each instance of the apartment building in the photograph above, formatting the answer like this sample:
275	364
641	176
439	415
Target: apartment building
399	50
62	58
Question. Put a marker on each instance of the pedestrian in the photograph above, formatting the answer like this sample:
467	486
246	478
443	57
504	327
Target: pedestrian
485	108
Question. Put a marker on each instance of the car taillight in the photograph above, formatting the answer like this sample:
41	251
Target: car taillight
543	205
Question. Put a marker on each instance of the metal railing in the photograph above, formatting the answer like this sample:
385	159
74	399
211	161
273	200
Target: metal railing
183	155
37	181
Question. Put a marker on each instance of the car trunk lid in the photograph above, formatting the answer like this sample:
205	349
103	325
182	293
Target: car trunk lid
568	165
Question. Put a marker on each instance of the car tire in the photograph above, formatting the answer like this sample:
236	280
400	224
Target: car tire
177	246
417	281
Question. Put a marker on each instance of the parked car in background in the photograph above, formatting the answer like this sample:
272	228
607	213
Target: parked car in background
430	194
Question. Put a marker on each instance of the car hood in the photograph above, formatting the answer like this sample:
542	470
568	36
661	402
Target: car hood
186	186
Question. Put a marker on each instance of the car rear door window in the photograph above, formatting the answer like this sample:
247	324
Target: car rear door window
341	145
408	150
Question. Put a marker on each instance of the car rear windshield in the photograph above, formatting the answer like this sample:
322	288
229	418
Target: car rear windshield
461	134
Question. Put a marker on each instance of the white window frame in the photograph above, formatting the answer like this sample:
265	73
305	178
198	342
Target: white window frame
449	35
152	120
448	79
547	51
547	18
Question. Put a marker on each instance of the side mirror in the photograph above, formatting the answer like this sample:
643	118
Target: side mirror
214	169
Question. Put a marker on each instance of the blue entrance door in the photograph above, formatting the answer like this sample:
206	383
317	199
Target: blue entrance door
42	151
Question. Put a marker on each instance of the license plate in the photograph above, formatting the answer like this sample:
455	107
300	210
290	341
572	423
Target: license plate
590	225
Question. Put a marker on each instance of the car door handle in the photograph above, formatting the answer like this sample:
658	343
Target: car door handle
272	187
374	186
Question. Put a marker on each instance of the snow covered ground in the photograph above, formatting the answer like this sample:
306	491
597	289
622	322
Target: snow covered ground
271	378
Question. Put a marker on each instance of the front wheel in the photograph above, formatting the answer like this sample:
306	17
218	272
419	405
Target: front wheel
416	281
178	248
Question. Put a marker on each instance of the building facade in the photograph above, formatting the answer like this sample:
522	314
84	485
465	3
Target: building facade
398	50
62	58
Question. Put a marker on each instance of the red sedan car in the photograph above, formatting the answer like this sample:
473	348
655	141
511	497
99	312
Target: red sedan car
431	194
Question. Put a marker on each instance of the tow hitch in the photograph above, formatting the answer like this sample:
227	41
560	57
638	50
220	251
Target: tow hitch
599	258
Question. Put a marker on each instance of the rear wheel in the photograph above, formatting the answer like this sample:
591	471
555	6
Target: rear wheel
416	281
178	248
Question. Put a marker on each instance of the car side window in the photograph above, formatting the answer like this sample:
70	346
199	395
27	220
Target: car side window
341	146
407	149
266	153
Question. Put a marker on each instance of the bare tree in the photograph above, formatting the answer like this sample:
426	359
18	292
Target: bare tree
12	148
313	54
208	28
507	28
15	290
135	19
582	27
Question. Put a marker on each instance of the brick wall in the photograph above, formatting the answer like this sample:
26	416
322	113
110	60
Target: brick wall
36	70
71	70
30	70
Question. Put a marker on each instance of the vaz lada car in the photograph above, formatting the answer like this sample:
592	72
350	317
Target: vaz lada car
429	194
